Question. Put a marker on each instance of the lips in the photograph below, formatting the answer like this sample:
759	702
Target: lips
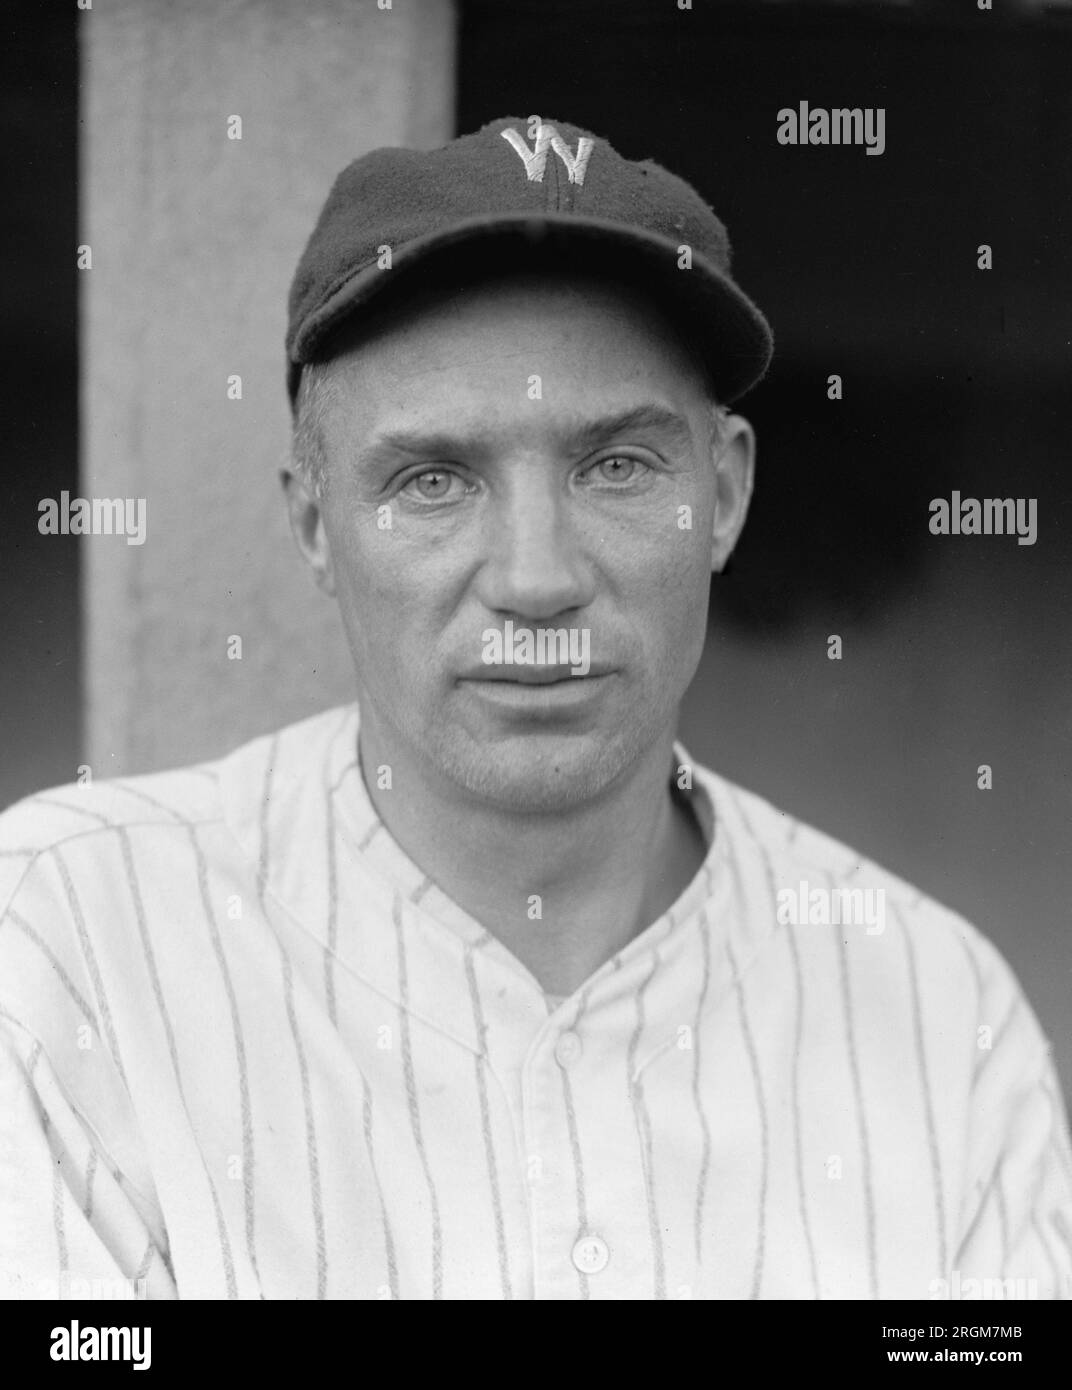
530	675
541	695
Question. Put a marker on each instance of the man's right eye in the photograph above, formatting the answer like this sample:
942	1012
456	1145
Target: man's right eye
434	484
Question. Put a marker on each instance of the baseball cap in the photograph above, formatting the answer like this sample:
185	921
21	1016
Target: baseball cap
517	192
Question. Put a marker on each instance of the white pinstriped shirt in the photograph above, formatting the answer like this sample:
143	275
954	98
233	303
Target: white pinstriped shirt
249	1050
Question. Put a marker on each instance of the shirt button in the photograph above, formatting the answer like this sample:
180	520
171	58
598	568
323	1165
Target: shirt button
590	1254
568	1049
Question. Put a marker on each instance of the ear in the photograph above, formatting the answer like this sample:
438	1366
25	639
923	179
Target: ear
734	460
306	511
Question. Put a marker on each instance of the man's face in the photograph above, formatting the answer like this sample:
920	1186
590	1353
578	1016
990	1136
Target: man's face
530	452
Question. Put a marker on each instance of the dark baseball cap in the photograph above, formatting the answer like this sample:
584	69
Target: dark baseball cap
519	192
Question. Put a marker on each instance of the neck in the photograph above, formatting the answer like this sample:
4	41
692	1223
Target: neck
563	891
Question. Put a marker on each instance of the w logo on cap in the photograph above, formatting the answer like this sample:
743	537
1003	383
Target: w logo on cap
547	137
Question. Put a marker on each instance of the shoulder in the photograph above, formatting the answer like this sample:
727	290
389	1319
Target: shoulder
86	815
892	931
79	832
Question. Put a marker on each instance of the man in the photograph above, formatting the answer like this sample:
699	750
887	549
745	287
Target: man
481	988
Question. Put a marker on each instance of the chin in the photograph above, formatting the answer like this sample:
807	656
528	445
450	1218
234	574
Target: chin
537	774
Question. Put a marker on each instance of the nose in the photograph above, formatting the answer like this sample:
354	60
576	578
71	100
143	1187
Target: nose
535	565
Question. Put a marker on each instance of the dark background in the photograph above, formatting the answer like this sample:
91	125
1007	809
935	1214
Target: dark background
956	649
40	689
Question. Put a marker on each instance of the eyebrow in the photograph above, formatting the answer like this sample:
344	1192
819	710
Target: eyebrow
649	418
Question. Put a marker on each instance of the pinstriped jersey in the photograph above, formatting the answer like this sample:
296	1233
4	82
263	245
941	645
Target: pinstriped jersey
249	1050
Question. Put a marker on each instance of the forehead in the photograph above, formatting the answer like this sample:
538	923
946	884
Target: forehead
511	346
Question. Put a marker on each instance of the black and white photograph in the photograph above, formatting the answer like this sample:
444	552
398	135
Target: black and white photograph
537	685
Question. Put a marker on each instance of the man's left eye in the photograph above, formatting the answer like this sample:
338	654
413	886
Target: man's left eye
617	468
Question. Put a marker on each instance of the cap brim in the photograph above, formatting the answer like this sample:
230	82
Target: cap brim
733	335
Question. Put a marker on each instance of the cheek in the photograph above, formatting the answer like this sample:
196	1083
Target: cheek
391	596
672	596
671	572
364	553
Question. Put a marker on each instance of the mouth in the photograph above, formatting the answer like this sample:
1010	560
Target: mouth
546	691
532	675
